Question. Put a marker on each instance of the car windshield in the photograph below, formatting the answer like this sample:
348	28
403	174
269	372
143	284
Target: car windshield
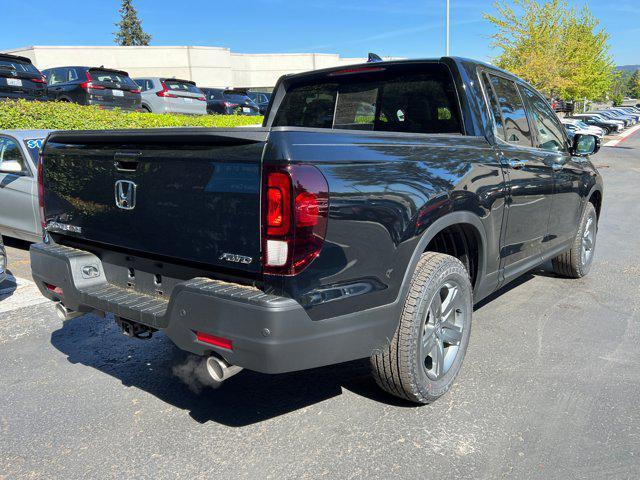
34	145
237	97
178	86
16	66
105	76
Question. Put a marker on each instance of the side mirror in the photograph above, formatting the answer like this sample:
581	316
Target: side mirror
584	145
10	166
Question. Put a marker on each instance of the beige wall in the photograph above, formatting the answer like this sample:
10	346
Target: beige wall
207	66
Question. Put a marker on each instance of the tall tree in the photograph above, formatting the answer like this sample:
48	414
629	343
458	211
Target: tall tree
130	30
558	49
634	85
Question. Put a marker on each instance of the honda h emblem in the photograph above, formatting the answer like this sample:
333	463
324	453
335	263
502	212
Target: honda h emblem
126	194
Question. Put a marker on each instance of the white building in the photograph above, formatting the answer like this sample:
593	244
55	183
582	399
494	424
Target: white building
207	66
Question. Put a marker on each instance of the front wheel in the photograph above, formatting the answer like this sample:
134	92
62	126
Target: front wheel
426	353
576	262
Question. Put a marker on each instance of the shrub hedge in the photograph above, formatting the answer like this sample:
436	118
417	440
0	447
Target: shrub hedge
68	116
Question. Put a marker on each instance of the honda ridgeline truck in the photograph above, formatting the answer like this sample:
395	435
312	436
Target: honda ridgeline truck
376	205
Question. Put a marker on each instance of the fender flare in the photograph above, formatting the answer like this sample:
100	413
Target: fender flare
436	227
595	188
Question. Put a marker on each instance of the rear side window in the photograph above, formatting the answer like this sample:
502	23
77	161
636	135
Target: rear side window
412	99
514	118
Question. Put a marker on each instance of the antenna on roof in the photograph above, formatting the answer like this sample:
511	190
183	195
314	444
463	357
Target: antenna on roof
373	58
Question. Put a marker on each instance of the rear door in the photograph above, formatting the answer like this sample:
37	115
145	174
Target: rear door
17	190
114	89
187	194
529	178
567	171
186	97
20	80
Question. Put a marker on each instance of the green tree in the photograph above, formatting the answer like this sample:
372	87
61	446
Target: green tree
130	30
634	85
558	49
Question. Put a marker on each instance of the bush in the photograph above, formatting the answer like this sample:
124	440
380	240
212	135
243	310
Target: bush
69	116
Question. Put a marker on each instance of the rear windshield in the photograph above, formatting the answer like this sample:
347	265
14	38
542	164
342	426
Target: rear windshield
408	98
236	97
20	67
105	76
179	86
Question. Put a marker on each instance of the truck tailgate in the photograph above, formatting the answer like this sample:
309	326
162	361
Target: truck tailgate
188	194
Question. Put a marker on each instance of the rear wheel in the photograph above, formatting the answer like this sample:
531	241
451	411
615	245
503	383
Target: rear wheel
426	353
576	262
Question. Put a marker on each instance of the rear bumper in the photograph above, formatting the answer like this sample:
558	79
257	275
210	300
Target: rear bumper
270	334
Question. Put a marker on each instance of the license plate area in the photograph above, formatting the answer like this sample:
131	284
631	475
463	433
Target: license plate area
14	82
117	93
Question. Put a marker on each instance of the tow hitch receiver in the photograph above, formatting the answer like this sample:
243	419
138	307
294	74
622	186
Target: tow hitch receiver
134	330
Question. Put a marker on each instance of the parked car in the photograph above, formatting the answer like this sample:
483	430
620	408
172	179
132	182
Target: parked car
229	102
612	126
171	95
20	79
19	210
3	262
613	115
576	126
326	235
562	106
99	86
261	99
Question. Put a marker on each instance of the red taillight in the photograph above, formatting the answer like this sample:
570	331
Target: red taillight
215	341
165	92
135	90
89	85
54	289
350	71
230	105
296	207
43	222
39	80
202	99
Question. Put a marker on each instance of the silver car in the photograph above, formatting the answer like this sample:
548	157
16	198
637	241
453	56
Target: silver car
171	95
19	210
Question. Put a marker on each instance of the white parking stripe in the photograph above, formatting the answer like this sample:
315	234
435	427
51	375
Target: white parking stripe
19	293
621	137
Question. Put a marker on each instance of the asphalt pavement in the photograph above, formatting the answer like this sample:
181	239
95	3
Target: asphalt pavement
549	389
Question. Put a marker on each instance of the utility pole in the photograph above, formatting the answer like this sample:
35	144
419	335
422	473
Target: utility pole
447	28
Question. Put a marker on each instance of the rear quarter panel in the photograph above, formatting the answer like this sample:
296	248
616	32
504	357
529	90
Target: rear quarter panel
386	190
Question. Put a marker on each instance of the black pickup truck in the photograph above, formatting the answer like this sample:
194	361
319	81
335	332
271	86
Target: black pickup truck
377	204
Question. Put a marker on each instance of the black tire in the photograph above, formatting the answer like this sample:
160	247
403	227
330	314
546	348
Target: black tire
403	367
145	109
576	262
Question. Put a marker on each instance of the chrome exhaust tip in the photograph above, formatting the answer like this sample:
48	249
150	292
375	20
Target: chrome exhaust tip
220	370
65	313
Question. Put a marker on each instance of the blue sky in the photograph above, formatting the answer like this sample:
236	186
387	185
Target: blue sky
403	28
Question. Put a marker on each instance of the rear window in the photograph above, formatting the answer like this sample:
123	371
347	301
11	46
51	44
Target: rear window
102	76
236	97
178	86
407	98
20	67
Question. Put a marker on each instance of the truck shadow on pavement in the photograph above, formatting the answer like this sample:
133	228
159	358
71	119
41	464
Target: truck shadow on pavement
158	367
178	378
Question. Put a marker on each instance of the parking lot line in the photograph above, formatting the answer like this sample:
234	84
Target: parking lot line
622	137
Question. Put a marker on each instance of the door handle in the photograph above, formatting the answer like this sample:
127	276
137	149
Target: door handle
516	164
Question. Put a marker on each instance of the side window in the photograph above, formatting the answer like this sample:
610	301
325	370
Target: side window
73	75
493	105
514	117
55	77
545	122
10	151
